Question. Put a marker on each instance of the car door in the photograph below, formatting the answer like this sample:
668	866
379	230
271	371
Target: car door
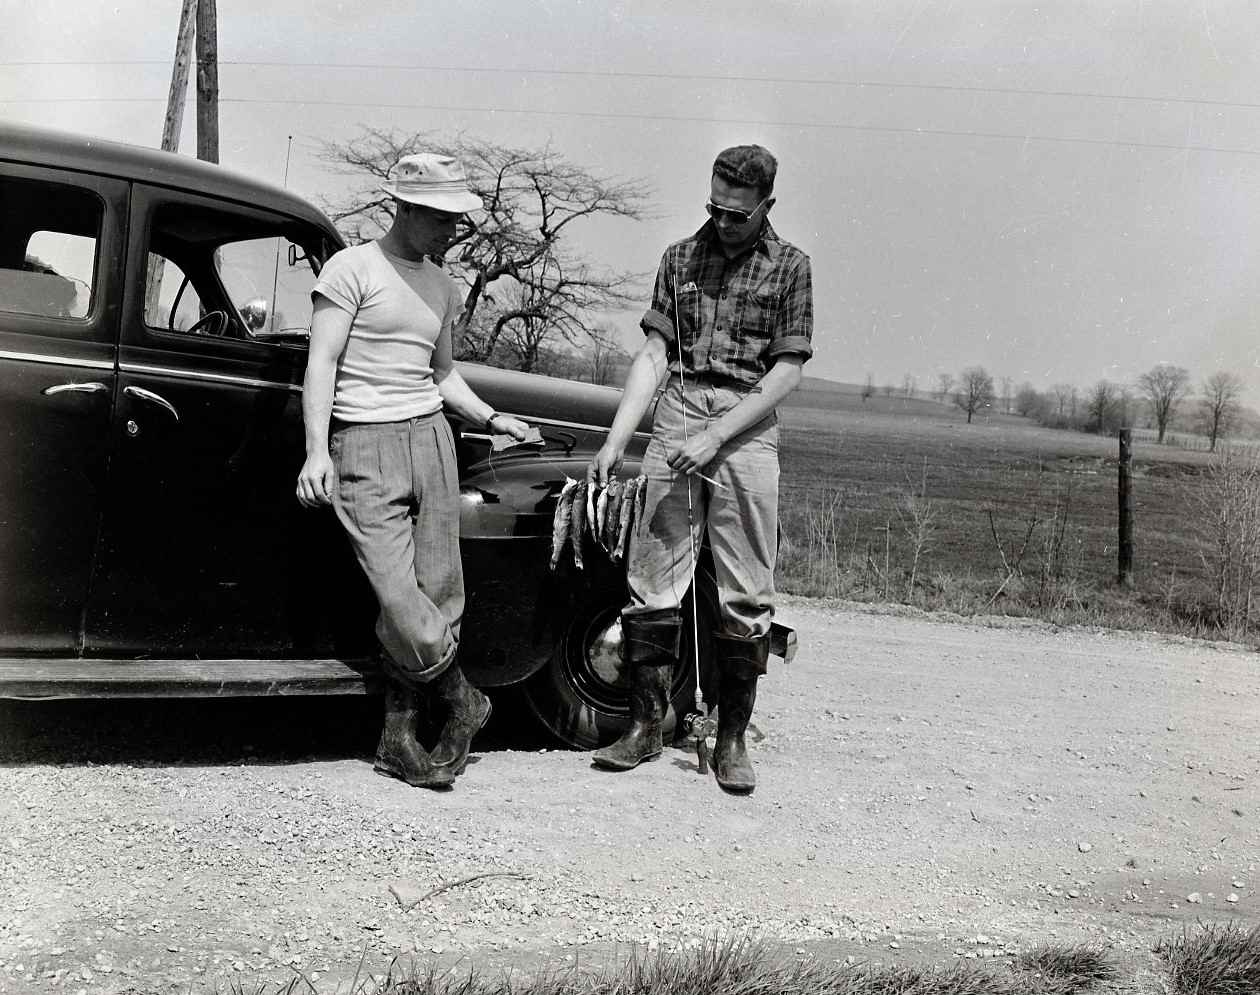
60	279
205	552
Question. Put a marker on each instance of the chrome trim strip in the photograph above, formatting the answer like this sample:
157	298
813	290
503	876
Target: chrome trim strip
80	364
166	371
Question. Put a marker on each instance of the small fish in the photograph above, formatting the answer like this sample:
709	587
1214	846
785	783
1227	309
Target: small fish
590	506
625	518
612	516
578	522
601	515
560	521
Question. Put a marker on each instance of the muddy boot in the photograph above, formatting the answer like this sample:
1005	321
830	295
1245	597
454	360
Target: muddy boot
649	648
740	663
399	754
469	712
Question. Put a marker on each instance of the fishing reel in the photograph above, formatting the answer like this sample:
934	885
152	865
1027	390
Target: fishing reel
699	726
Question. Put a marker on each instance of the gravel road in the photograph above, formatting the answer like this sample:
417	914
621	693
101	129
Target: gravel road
929	788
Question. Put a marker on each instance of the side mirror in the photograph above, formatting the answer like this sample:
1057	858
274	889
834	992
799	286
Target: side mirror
254	314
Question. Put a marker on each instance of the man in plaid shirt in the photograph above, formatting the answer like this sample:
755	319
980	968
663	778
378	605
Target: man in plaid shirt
729	328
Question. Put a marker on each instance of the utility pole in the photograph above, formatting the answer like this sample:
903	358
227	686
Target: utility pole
172	125
207	81
179	78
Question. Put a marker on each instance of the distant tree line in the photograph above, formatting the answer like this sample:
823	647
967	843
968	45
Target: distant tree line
1163	396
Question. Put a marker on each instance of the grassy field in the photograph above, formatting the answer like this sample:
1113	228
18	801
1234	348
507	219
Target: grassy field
900	499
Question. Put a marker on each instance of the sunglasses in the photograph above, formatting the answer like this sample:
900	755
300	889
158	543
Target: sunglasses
734	215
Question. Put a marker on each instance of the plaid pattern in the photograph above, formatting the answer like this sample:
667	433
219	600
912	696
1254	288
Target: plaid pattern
737	315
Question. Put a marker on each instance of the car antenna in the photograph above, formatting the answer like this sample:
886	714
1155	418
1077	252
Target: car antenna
275	272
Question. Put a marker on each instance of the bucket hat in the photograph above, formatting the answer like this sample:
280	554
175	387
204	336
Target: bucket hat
436	181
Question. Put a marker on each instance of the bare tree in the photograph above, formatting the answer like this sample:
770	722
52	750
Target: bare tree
1218	408
945	383
1124	405
1101	406
1165	387
868	388
514	257
975	390
908	385
607	356
1065	402
1029	403
1008	389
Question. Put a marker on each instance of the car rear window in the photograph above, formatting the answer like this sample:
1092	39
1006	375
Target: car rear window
49	238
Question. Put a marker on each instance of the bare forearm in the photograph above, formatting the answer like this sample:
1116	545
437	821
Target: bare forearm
641	384
317	400
459	398
777	384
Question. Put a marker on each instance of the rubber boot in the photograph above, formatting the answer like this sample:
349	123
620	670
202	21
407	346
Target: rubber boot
649	647
399	754
740	663
469	712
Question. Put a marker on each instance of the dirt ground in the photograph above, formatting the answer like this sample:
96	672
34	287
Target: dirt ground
929	789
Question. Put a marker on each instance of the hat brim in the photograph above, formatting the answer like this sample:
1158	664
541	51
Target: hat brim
453	201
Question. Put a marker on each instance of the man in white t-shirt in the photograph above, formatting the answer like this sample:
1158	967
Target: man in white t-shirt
379	373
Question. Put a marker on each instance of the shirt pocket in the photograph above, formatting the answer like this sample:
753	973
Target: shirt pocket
690	313
758	312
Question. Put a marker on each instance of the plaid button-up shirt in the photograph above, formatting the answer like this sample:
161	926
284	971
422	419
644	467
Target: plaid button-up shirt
736	316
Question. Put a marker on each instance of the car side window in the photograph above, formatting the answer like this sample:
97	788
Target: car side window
270	283
241	276
171	302
49	237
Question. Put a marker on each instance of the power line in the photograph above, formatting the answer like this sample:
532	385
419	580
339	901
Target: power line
685	77
679	119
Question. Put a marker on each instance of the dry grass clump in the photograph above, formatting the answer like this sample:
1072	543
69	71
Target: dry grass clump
1067	969
743	967
1218	959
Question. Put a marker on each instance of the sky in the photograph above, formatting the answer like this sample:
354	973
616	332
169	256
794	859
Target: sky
1060	192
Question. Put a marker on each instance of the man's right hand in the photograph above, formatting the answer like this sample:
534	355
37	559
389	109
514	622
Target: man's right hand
604	466
314	483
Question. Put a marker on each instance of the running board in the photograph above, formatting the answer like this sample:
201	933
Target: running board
36	678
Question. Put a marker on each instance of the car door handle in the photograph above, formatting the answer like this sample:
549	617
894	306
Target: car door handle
148	395
76	388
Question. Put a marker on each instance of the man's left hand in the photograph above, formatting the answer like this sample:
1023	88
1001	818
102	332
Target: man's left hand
696	454
507	425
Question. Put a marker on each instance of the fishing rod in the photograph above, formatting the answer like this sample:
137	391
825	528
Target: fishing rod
697	722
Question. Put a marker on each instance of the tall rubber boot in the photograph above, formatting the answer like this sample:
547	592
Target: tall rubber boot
469	712
649	647
399	754
741	661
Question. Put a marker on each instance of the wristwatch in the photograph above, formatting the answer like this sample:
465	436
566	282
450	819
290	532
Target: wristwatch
488	423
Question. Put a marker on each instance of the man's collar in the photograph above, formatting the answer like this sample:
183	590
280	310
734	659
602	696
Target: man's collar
767	242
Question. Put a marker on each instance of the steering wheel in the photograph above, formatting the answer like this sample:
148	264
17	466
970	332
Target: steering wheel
210	323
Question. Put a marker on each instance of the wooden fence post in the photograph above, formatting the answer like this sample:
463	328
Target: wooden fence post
1125	490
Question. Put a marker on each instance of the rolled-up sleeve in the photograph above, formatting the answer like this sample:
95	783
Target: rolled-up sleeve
659	317
794	330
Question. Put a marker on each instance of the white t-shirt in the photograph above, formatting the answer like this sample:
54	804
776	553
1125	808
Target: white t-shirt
399	308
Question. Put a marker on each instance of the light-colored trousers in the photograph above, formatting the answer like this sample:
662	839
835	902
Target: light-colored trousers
739	516
397	496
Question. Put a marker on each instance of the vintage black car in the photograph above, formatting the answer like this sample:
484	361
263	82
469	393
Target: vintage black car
154	312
